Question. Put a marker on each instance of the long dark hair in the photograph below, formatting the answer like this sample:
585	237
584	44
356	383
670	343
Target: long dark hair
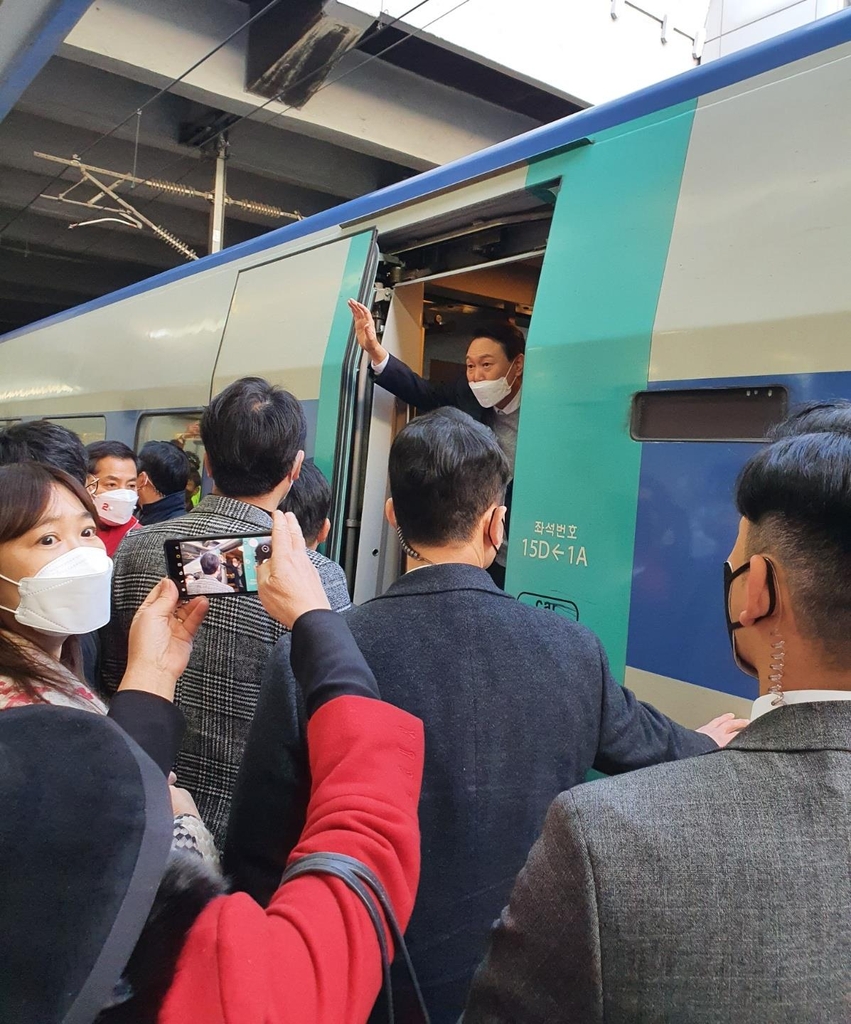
25	492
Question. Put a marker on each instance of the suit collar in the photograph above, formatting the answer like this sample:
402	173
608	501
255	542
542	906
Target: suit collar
233	508
438	579
825	725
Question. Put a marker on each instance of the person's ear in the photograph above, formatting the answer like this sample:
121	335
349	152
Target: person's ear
757	594
390	513
295	472
208	470
493	530
521	362
142	480
324	530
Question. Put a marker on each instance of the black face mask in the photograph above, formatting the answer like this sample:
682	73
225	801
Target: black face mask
729	575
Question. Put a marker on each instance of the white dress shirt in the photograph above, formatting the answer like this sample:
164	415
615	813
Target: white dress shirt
762	705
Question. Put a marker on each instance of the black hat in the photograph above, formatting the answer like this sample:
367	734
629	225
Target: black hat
85	833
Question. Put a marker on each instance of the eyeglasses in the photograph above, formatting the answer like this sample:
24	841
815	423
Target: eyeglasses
92	487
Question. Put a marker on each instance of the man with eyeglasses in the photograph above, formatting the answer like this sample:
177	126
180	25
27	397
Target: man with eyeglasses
112	482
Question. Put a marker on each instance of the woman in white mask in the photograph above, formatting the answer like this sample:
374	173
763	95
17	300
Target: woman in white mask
55	583
490	393
112	482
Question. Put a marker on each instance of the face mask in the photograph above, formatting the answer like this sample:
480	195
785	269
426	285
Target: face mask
116	507
490	392
68	596
729	575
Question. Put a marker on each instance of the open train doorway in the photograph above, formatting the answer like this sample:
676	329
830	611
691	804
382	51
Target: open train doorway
430	299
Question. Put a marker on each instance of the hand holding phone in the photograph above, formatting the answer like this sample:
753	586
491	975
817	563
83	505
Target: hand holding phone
289	584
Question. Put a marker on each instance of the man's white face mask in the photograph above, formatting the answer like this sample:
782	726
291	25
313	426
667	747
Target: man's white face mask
116	507
68	596
491	392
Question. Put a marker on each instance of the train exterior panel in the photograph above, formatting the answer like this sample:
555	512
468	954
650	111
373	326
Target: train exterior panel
698	242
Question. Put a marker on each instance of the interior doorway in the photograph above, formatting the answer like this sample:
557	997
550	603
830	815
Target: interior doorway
429	323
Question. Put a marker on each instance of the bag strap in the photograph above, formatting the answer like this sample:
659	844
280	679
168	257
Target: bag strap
366	886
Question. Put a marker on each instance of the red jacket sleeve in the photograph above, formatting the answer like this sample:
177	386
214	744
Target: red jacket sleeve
312	956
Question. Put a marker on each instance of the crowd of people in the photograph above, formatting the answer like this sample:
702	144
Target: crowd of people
228	808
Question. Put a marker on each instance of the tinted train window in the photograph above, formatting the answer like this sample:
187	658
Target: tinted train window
707	414
87	428
184	428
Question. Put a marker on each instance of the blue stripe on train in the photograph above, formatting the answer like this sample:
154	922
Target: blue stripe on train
686	526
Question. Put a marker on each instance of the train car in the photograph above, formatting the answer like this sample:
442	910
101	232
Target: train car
681	260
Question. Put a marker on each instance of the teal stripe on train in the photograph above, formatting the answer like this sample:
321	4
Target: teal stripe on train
576	490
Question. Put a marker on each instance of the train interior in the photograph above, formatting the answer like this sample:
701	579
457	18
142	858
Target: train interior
435	285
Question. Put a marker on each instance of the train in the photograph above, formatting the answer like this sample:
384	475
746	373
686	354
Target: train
680	259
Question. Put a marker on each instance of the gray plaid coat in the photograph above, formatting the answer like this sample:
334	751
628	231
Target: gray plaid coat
219	690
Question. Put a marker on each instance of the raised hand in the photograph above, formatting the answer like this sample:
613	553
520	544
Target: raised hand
287	582
724	728
365	331
160	640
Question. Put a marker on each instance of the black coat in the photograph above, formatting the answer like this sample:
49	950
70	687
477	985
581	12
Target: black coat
518	705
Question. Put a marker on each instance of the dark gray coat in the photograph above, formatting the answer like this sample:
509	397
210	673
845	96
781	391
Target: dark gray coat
707	892
518	704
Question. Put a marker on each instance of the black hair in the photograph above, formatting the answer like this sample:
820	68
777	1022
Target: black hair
445	470
166	465
98	450
833	415
511	338
309	500
252	432
796	493
47	443
210	563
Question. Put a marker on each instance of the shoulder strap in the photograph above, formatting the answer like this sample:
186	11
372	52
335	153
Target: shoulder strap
366	886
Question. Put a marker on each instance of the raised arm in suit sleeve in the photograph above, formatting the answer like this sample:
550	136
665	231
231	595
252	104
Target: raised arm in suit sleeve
543	963
634	734
401	381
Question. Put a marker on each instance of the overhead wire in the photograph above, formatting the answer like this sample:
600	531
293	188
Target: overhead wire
194	154
250	115
151	99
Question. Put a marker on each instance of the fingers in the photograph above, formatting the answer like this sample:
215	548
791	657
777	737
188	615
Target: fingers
738	724
194	614
282	540
295	533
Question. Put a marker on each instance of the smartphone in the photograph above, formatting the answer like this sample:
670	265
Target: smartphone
216	566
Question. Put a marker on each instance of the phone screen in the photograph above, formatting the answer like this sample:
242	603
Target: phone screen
217	566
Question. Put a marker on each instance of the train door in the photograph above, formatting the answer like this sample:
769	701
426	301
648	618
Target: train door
288	322
437	279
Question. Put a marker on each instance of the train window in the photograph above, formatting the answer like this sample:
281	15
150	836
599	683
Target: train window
184	428
87	428
708	414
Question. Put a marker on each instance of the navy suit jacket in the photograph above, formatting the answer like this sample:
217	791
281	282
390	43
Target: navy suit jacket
425	395
518	705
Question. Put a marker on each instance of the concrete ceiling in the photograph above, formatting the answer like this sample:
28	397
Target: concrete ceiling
336	146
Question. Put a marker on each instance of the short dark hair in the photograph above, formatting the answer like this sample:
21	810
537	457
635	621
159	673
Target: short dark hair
210	563
511	338
833	415
47	443
166	465
98	450
252	432
309	500
445	470
796	493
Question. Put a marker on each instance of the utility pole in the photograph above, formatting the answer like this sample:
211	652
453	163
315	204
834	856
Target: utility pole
217	216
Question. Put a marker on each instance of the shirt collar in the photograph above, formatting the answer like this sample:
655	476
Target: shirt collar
762	705
512	406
